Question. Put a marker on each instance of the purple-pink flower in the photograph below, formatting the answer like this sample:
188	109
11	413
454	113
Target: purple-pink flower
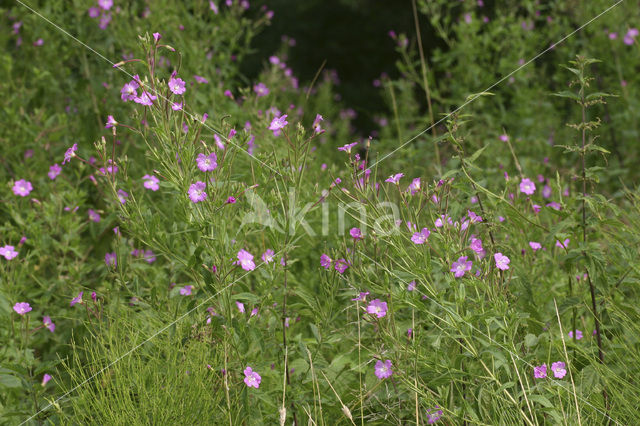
129	91
110	259
325	261
421	237
278	123
45	379
578	334
22	187
46	321
261	90
207	163
94	216
245	260
527	186
267	256
177	85
356	233
77	299
502	261
110	122
461	266
394	178
8	252
54	171
151	182
377	307
196	192
535	245
540	372
251	378
22	308
145	98
383	369
559	369
341	265
347	148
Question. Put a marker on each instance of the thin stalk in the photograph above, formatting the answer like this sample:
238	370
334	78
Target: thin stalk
425	82
584	235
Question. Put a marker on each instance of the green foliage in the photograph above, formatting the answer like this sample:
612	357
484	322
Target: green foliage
169	320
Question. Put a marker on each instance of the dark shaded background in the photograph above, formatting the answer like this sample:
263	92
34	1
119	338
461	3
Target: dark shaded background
352	35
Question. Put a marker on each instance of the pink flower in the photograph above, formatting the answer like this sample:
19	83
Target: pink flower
261	90
534	245
383	369
356	233
45	379
251	378
54	171
151	182
564	244
77	299
502	261
540	372
559	369
267	256
316	124
474	217
361	297
94	216
461	266
177	85
186	290
394	178
245	260
22	308
325	261
110	122
157	37
129	91
341	265
122	196
554	205
48	323
176	106
240	306
476	245
411	286
111	259
347	148
22	187
196	192
200	79
527	186
414	186
207	163
578	334
145	98
504	138
278	123
8	252
377	307
421	237
105	4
